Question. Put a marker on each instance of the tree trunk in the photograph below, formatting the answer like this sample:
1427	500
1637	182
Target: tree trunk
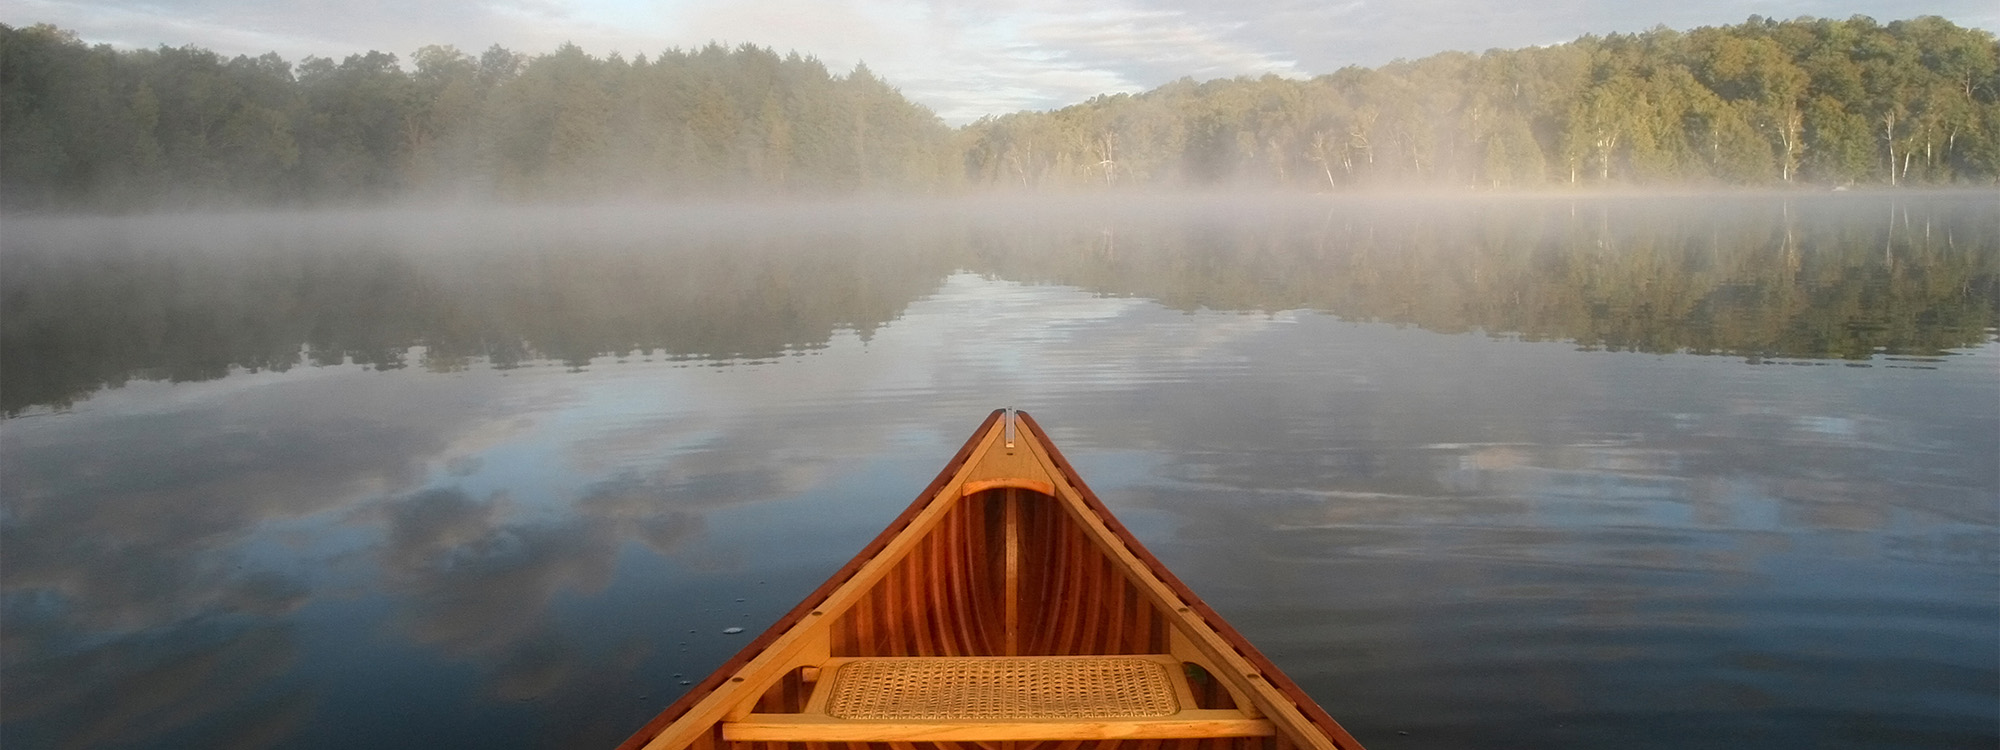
1889	137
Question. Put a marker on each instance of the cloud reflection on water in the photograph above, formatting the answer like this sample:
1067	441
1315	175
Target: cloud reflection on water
1382	506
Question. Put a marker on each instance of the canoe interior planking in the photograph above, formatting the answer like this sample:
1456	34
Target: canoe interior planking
1006	556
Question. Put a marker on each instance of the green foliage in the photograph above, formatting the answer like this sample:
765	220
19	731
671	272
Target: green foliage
1762	103
1814	101
91	127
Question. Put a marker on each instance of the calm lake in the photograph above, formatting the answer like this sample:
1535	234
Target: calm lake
1635	472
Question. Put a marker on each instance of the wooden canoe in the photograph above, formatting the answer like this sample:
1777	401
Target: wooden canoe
1005	609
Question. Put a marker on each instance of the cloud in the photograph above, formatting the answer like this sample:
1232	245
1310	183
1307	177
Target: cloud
475	581
970	60
128	609
963	59
209	677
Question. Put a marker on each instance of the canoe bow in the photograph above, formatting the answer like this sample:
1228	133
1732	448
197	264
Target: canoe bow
1009	608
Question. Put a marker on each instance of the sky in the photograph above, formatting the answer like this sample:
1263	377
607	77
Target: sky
962	58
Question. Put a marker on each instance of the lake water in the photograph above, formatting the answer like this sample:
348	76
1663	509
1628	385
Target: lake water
1637	472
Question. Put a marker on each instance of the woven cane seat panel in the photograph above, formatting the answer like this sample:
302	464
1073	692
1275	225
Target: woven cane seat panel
1108	687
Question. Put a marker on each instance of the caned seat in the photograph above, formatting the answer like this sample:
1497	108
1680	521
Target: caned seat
998	698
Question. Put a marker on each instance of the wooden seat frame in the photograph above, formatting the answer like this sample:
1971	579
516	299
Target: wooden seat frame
814	724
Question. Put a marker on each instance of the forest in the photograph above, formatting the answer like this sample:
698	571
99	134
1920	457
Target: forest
1766	103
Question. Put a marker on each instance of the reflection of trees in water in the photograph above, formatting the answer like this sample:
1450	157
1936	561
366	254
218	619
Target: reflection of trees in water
1758	277
1802	276
82	318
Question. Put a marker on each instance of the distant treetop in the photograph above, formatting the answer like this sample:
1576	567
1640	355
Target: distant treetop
1802	102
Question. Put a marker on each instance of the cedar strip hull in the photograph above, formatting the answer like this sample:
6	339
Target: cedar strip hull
1006	553
1071	600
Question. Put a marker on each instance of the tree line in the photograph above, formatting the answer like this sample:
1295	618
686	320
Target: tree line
1766	102
94	126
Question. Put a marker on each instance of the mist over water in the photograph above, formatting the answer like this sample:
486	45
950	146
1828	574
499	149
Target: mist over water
1562	471
181	297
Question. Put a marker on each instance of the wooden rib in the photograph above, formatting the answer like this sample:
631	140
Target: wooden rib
895	588
1093	620
1116	627
922	619
1012	499
957	577
1064	628
980	593
937	590
969	539
1036	572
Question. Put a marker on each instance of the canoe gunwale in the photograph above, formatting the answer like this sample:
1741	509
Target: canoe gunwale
1253	672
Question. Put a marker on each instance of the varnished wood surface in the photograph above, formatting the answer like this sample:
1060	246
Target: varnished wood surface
976	486
1186	717
795	728
1059	597
1276	742
1006	553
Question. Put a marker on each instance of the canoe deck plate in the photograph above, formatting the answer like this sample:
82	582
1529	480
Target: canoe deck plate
987	688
